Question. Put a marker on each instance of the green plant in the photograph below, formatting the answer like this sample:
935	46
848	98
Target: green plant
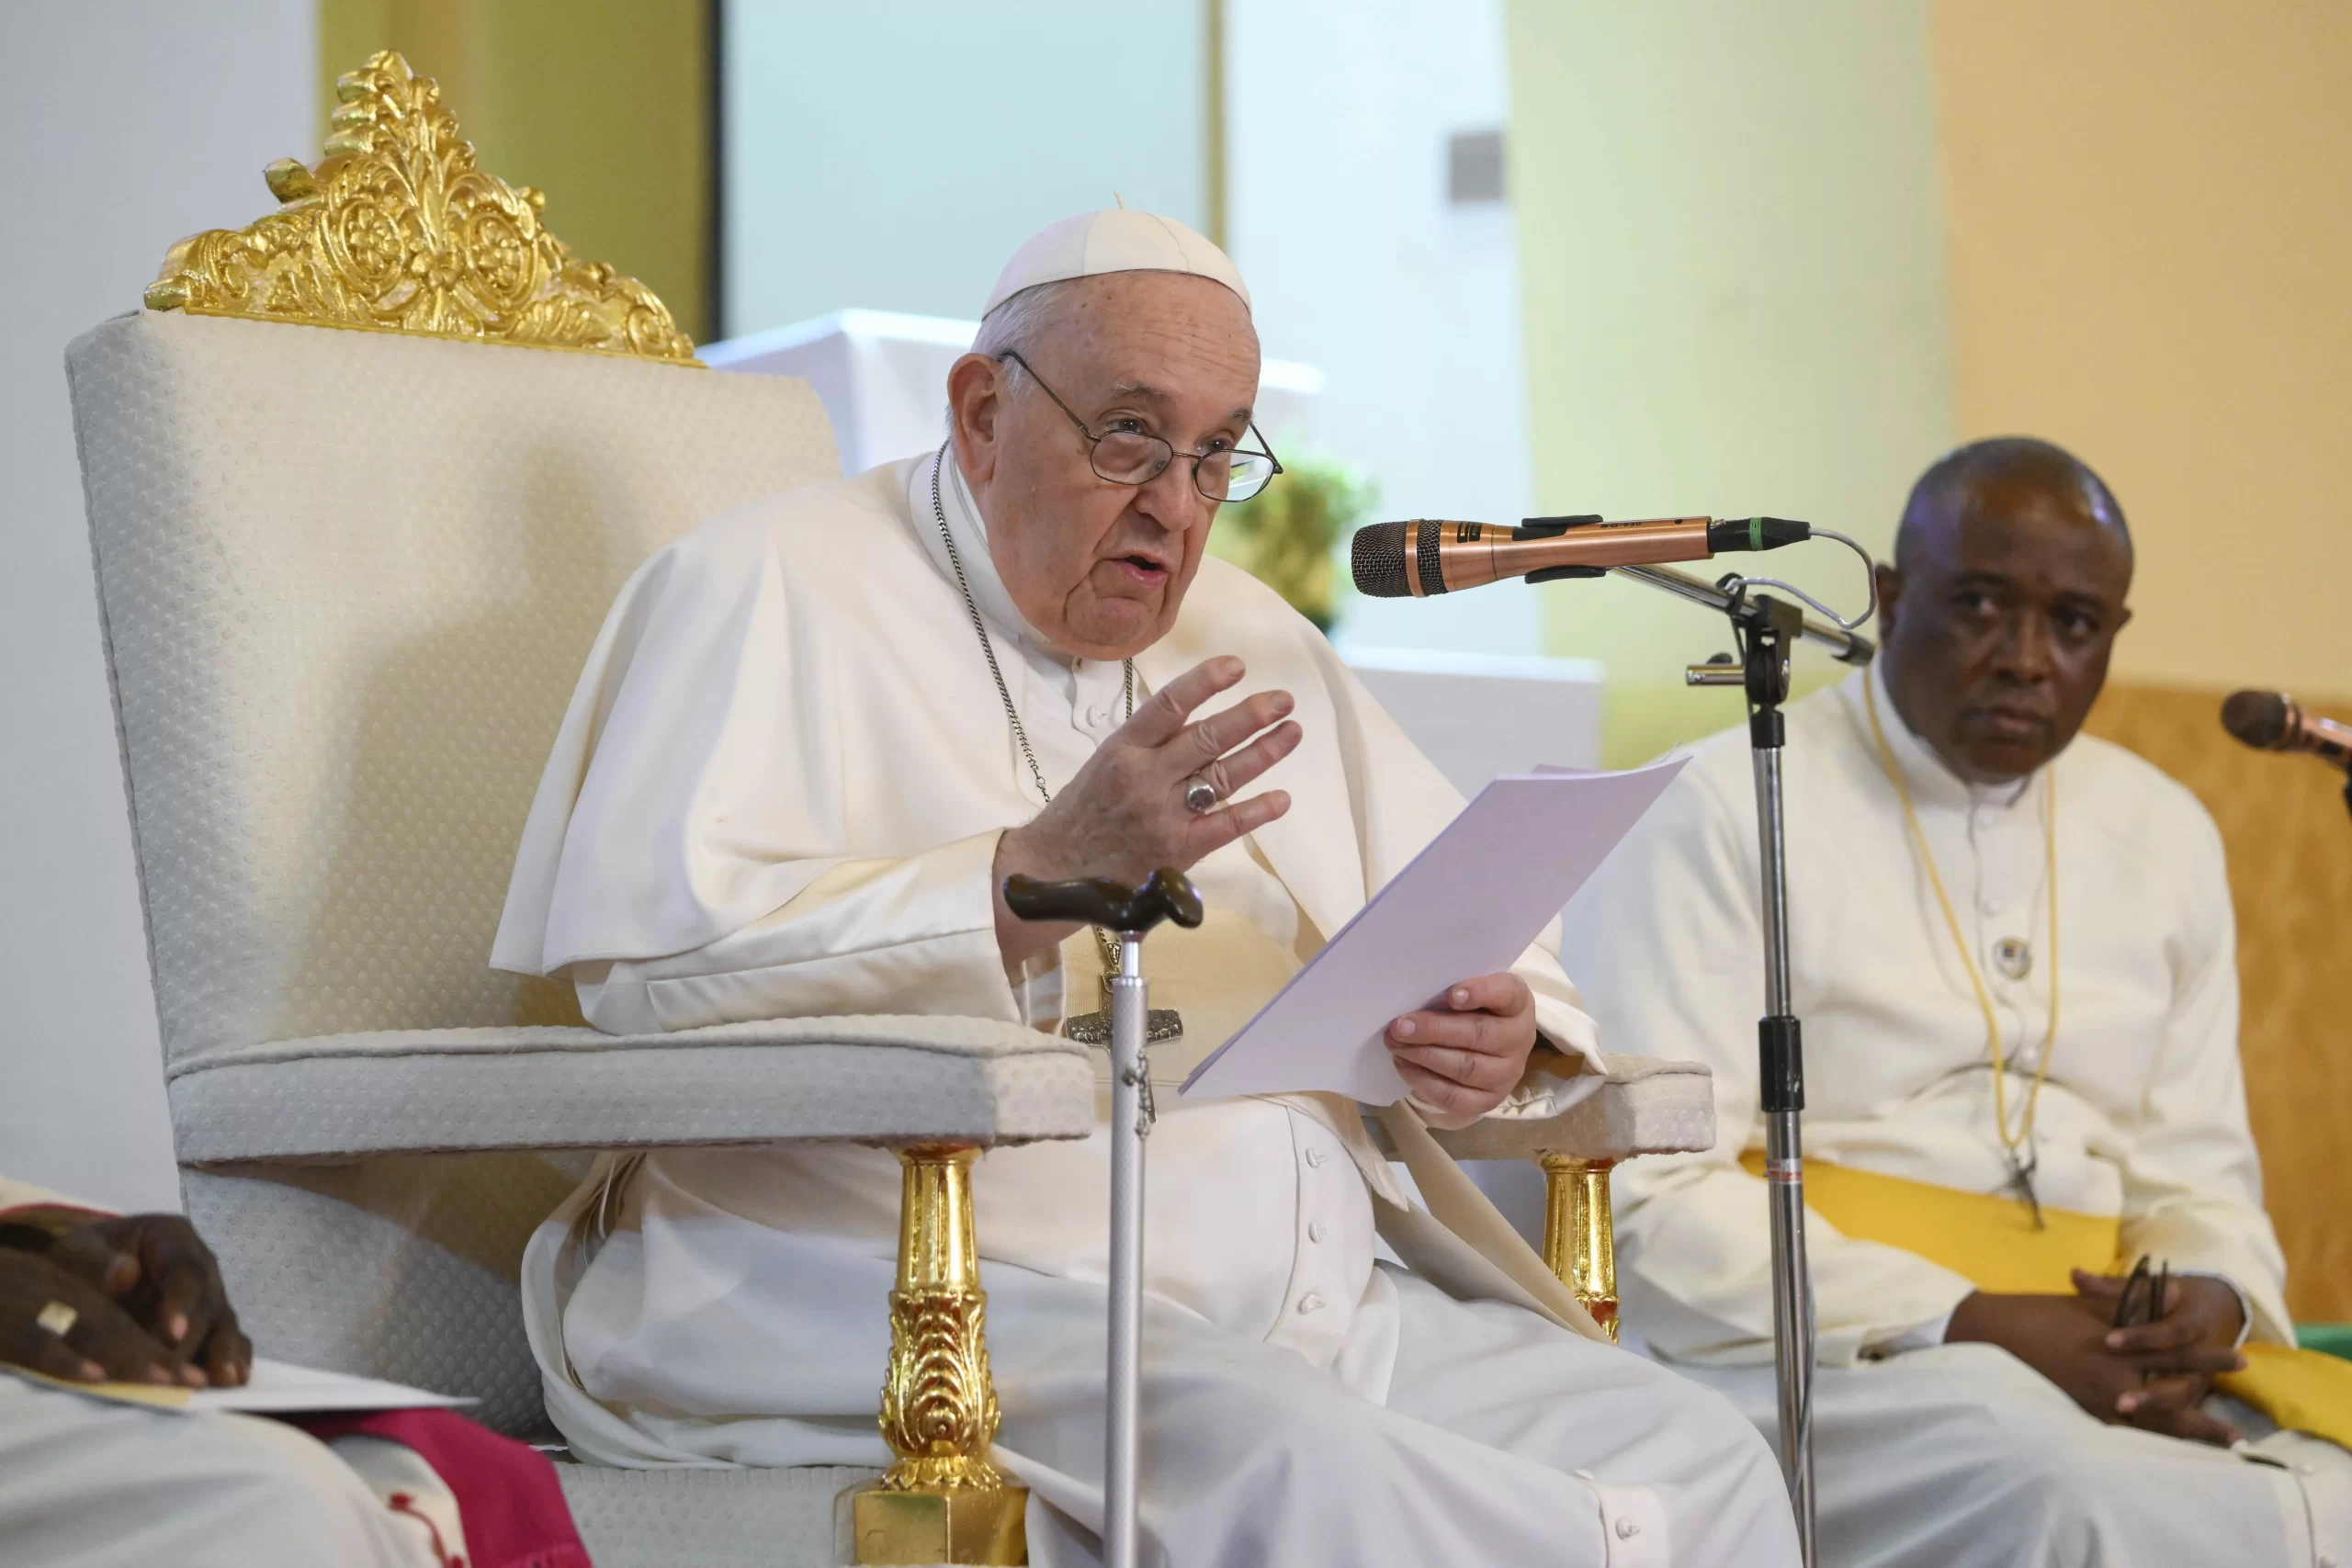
1286	536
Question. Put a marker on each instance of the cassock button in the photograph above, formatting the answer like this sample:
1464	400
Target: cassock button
1316	1230
1310	1303
1627	1529
1315	1158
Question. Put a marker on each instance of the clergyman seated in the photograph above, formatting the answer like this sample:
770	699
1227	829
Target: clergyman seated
2014	959
816	734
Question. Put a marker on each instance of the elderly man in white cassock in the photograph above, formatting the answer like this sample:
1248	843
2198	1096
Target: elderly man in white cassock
815	736
2000	1384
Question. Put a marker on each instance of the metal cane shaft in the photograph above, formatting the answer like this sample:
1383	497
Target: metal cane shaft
1128	1121
1783	1075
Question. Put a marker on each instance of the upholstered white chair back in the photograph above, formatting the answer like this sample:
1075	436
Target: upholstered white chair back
349	580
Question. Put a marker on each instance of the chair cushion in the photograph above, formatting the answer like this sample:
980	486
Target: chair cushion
1645	1107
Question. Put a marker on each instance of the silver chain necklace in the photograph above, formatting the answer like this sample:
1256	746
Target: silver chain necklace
1088	1028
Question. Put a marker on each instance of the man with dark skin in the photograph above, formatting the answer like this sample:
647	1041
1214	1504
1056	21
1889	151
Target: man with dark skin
2013	958
1998	617
143	1290
90	1298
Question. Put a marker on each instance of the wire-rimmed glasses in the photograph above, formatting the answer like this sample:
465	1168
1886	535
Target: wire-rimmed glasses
1138	456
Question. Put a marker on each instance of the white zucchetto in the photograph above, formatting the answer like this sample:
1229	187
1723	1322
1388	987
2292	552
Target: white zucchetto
1116	240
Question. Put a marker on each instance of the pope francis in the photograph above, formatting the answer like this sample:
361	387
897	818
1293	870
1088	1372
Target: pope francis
2013	954
814	735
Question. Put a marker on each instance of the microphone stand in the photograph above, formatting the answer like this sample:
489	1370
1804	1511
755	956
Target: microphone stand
1131	1119
1765	627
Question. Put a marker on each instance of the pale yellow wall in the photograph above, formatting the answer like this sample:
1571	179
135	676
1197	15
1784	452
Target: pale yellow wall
2150	211
1732	251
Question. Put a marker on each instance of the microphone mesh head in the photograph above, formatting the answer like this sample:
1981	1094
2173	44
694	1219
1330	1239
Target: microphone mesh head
2258	718
1376	556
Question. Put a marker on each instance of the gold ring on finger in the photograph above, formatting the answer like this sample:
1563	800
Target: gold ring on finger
57	1318
1199	794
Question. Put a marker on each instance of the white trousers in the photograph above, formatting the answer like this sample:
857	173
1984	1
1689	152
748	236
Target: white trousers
89	1485
1962	1456
1502	1439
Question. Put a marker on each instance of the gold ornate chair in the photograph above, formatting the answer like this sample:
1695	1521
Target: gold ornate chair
347	578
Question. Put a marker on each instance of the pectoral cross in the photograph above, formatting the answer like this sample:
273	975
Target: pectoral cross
1161	1024
2020	1182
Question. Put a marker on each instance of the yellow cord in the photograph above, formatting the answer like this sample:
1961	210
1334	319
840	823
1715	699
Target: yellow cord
1951	922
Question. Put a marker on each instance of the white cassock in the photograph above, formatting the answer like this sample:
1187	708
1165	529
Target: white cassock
778	792
1930	1453
85	1483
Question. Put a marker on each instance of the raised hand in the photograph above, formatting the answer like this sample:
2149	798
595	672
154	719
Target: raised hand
1123	816
1464	1058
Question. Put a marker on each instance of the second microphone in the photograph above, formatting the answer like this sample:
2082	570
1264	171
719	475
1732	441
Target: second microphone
1394	560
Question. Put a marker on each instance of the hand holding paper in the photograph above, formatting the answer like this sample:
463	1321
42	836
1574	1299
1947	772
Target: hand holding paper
1467	905
1463	1055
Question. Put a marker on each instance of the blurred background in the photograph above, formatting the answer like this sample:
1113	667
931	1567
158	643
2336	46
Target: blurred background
1533	256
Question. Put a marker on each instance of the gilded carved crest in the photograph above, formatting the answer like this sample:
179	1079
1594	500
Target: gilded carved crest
396	229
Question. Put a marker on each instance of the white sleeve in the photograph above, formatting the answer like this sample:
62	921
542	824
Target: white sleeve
914	935
2192	1182
1668	941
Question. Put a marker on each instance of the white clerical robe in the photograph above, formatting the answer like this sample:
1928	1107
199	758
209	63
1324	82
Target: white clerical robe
1923	1448
89	1484
778	792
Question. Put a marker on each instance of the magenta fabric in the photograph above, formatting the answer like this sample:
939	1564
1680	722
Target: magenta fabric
508	1497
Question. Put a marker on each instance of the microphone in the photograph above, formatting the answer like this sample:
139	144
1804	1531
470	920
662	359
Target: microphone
2273	721
1429	555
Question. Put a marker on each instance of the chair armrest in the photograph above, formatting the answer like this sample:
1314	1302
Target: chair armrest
870	1079
1644	1107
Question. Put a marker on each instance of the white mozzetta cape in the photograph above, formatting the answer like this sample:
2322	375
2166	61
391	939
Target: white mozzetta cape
2143	1116
778	792
790	700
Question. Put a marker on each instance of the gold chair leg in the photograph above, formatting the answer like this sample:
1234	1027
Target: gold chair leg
1579	1239
943	1501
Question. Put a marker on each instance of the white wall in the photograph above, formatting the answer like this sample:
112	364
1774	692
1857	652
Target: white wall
1337	114
893	156
124	125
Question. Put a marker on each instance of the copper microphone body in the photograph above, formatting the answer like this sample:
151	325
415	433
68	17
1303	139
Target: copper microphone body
1445	556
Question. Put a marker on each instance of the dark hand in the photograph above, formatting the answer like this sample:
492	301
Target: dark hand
2066	1339
2193	1339
158	1271
103	1344
1465	1057
1123	815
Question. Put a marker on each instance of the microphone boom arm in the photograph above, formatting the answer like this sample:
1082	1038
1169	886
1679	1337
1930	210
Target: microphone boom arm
1846	645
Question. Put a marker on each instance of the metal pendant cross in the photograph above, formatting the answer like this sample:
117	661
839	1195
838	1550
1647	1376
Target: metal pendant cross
2020	1182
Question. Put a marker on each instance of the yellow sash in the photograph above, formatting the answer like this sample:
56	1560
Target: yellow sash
1989	1238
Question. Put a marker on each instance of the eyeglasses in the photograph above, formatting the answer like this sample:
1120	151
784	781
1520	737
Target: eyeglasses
1138	456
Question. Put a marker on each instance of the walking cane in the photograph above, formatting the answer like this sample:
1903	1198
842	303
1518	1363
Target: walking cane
1129	912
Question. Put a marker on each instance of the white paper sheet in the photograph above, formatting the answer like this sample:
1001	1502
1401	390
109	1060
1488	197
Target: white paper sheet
1467	905
276	1388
